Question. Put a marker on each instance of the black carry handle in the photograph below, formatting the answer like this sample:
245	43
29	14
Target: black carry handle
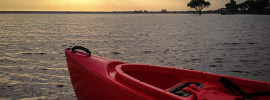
178	90
186	84
81	48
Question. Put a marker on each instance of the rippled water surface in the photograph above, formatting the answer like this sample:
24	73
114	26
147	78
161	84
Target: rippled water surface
32	60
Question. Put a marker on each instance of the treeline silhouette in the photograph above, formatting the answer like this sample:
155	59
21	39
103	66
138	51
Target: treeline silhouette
249	7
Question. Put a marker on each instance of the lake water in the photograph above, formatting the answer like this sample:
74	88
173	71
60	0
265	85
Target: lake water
32	59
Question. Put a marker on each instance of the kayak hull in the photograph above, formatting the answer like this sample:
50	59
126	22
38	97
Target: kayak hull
98	78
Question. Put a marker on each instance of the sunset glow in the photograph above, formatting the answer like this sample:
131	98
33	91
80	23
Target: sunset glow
102	5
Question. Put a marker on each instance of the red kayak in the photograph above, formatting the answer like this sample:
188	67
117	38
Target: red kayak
97	78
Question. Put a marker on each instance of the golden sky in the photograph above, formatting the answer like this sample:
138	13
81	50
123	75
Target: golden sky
103	5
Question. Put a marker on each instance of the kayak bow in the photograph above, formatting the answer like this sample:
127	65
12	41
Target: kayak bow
99	78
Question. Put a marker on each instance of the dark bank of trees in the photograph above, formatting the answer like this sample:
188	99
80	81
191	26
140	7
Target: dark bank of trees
232	6
246	7
249	7
198	5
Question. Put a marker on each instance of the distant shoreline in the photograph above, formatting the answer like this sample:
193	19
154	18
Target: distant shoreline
111	12
118	12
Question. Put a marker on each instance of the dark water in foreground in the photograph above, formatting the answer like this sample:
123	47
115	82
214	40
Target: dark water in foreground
32	60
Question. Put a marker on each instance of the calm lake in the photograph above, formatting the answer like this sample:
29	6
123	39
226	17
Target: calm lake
32	59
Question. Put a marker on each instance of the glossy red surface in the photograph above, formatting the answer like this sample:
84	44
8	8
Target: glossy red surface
97	78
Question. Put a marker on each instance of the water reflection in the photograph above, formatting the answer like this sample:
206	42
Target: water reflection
32	46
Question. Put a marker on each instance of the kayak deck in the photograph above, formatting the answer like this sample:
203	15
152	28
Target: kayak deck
98	78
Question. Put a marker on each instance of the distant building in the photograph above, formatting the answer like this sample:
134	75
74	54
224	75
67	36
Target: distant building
140	11
223	11
145	11
164	10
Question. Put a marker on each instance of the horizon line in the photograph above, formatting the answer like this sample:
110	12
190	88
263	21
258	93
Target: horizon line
94	11
112	12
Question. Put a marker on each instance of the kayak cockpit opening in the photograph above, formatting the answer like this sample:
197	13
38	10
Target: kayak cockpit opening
159	77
